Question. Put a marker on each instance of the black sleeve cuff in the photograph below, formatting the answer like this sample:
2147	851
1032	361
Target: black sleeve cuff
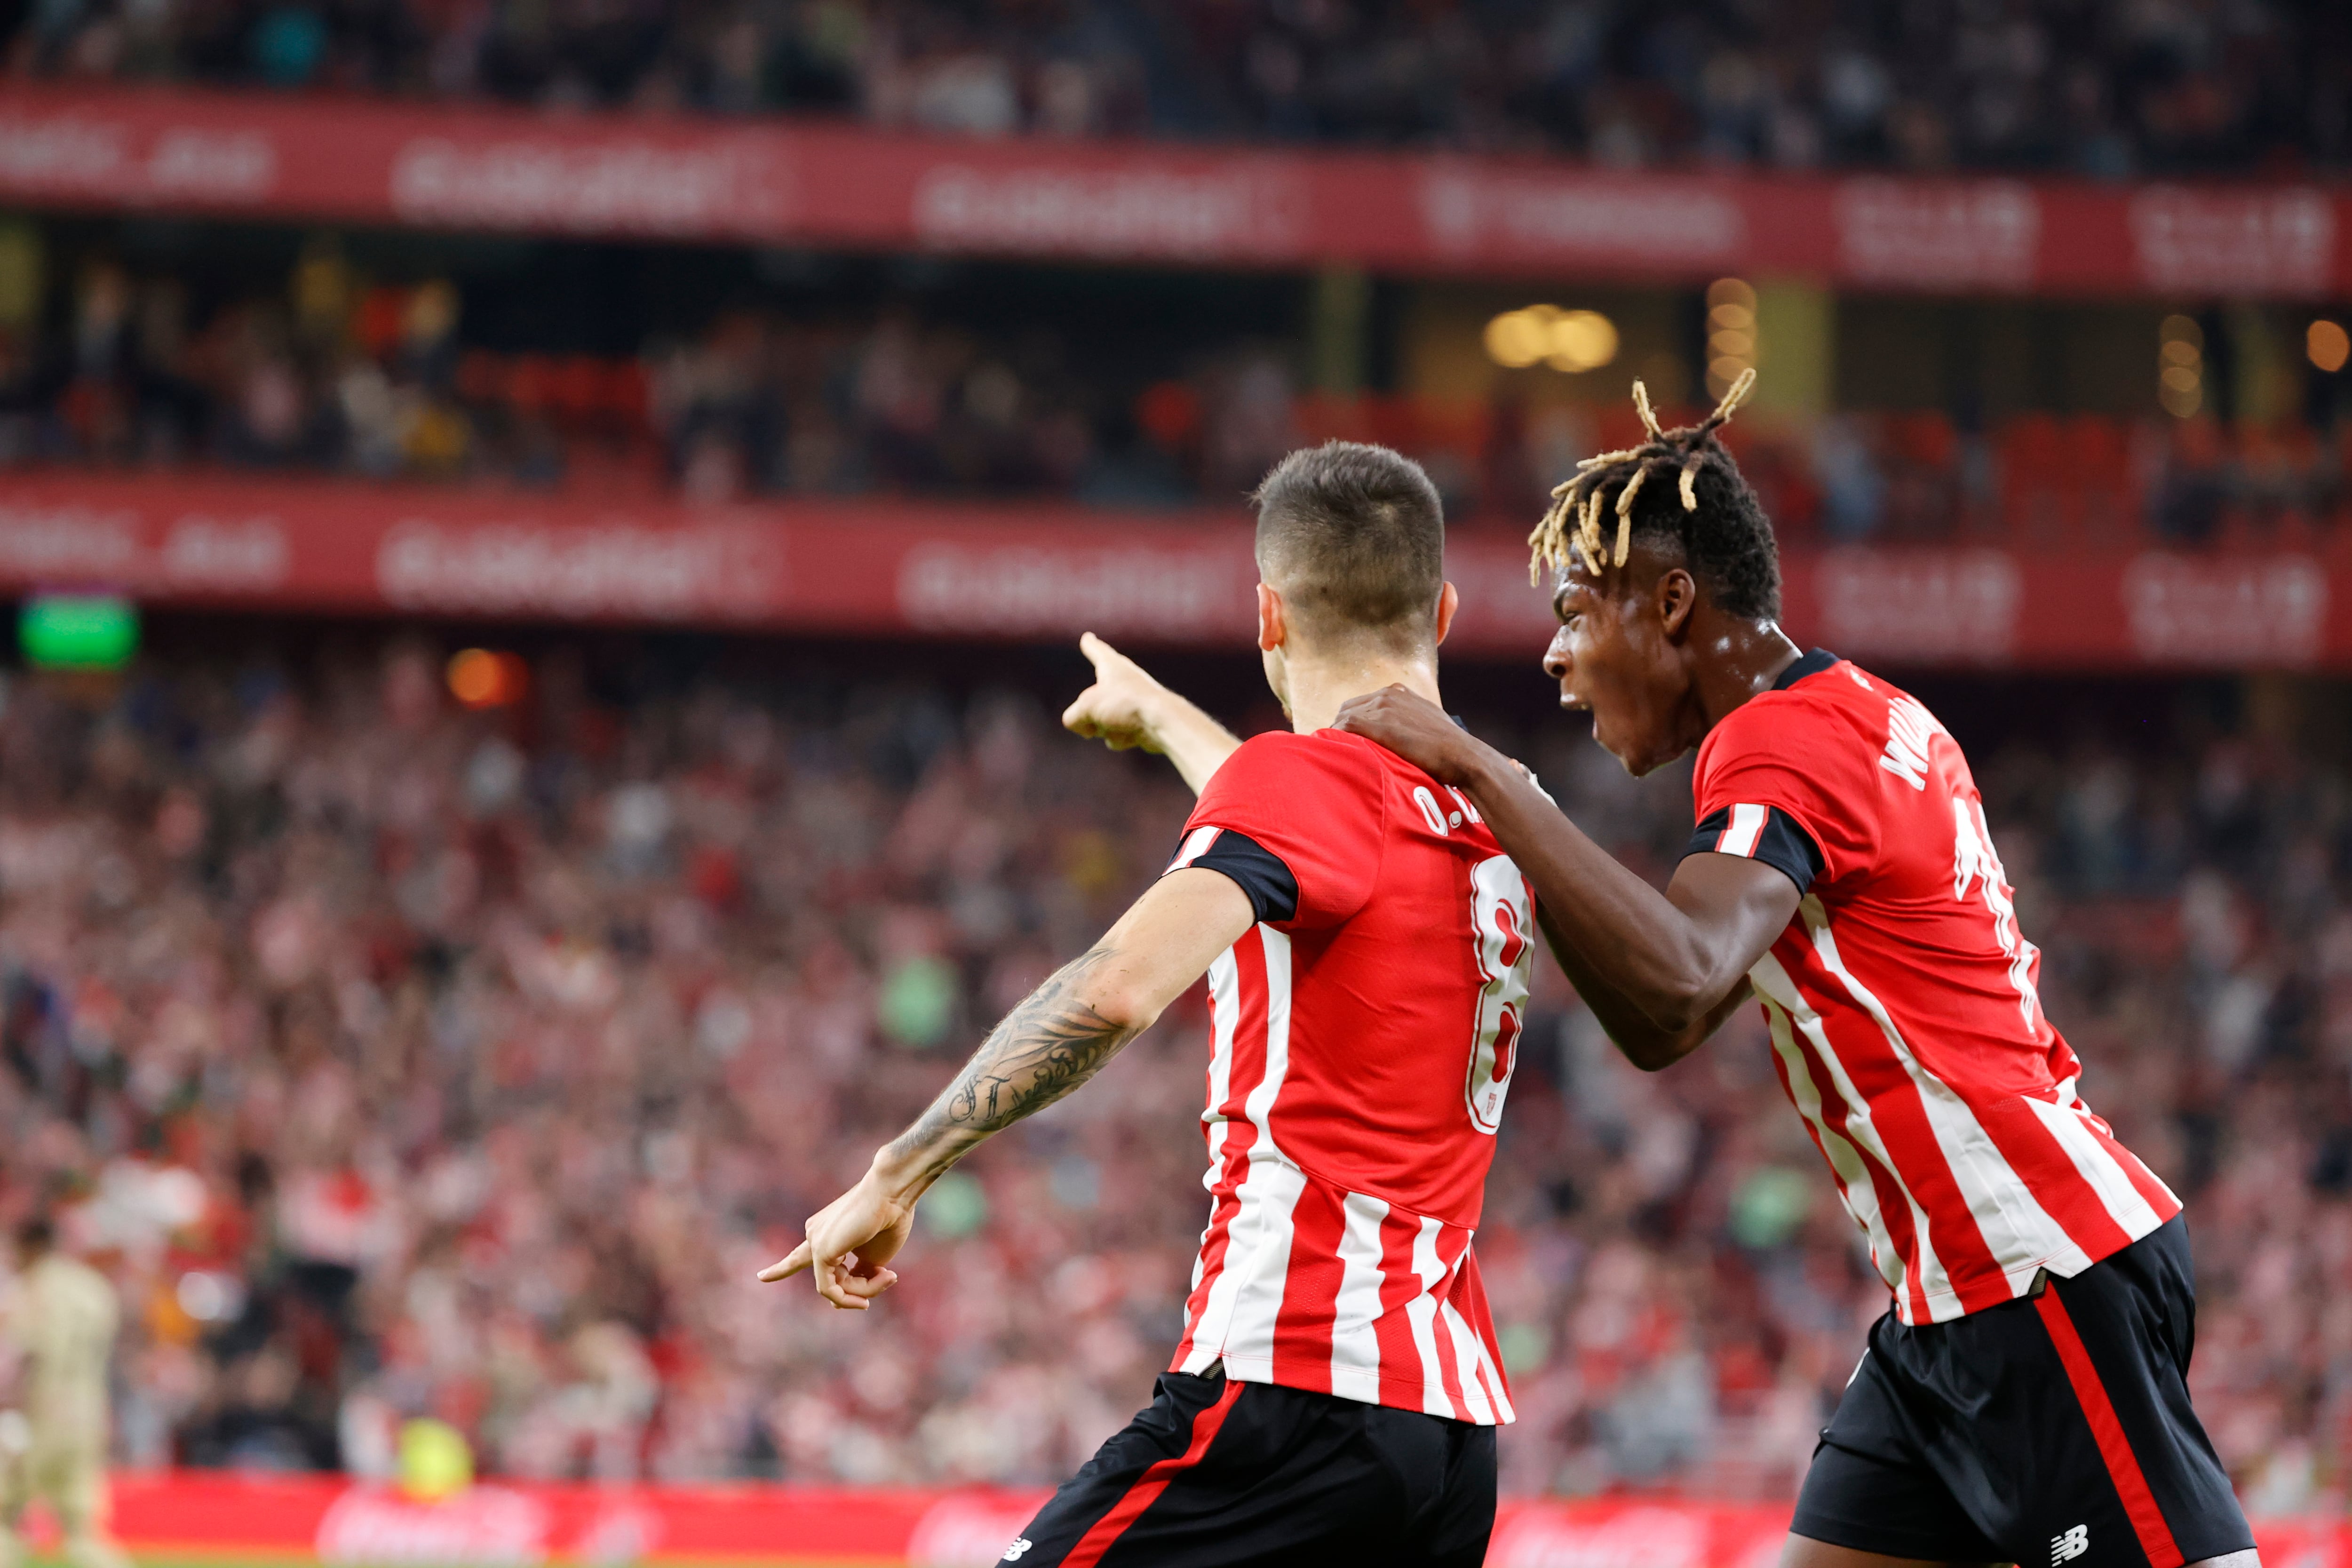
1764	833
1256	869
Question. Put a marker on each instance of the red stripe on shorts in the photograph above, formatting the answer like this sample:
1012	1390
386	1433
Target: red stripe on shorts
2139	1503
1153	1481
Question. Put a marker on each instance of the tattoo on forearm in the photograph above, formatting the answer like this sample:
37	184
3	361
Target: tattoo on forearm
1046	1047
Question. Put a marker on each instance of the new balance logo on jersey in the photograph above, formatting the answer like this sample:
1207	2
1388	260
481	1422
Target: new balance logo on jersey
1017	1551
1909	728
2073	1544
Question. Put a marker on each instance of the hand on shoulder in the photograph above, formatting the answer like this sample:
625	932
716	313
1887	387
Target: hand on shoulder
1414	728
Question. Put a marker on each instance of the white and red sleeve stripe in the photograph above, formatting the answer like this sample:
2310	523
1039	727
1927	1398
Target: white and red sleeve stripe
1739	834
1196	843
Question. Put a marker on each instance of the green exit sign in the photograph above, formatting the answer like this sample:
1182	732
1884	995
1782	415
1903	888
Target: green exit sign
78	631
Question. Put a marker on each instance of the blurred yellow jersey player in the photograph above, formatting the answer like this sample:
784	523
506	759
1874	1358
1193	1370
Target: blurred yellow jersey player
60	1321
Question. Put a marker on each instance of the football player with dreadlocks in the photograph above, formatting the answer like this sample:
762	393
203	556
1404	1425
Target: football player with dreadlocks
2024	1399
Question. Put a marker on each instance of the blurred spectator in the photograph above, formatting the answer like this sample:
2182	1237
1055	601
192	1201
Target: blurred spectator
333	374
401	1062
2105	88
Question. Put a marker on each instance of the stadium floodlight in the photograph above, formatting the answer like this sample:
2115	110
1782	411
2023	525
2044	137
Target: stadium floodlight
78	631
2328	345
1731	337
1571	341
479	677
2180	365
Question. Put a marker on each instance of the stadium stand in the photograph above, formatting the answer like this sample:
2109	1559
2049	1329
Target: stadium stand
324	375
401	1059
2096	89
406	1060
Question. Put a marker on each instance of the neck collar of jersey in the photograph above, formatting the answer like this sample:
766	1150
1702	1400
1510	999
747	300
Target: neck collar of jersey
1813	663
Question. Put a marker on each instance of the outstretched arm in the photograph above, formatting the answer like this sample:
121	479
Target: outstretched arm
1661	970
1050	1044
1126	708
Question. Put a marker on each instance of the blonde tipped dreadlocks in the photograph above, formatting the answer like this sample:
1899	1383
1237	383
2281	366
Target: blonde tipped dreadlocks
1573	523
1625	511
1649	414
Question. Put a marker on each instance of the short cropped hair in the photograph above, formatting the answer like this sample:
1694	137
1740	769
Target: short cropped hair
1354	535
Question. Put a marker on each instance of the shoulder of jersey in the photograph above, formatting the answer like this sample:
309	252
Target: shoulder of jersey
1356	756
1328	747
1271	741
1323	761
1841	694
1280	758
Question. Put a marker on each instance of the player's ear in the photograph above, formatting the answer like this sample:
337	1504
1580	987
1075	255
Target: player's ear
1448	601
1677	596
1272	625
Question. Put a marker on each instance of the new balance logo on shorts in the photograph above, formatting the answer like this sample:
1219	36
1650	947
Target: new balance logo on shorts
2063	1548
1020	1549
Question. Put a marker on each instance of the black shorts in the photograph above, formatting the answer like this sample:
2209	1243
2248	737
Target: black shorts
2052	1431
1234	1473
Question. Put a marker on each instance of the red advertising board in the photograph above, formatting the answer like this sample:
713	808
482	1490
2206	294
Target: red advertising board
784	183
327	1520
1050	570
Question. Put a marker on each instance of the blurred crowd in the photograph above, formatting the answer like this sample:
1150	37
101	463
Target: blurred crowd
332	375
338	375
396	1059
2100	87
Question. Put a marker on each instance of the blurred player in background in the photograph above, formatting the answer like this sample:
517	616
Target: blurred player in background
2025	1400
60	1321
1368	946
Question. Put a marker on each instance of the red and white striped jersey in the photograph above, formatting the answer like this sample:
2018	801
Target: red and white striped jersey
1366	1030
1903	1000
